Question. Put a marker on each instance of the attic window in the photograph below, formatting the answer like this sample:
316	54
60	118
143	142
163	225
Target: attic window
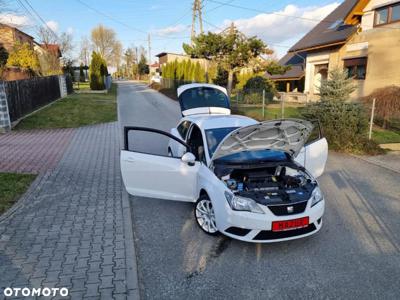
336	24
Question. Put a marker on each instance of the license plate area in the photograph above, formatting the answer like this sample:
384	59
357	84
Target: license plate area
290	224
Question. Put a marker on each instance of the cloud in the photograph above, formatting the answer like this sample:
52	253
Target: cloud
171	30
53	25
15	20
274	28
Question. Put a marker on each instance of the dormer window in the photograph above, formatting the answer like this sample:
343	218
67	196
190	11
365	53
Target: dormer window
387	14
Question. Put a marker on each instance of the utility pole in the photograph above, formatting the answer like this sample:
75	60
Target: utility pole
149	46
197	6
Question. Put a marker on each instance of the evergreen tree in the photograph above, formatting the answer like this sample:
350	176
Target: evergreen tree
95	72
179	70
142	65
337	87
188	69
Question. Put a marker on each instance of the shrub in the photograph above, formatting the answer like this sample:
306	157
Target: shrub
258	83
345	124
95	70
387	105
23	56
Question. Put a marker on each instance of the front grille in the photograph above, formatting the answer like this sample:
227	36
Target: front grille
237	231
282	210
275	235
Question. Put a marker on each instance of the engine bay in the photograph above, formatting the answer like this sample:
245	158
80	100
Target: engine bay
267	185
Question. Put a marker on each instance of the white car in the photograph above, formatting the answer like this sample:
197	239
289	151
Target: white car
251	181
156	78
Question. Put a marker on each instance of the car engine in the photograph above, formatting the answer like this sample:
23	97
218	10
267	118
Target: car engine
270	185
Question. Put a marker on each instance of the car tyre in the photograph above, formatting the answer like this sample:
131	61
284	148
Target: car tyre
205	216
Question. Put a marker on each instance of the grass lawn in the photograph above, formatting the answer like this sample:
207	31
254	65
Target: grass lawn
11	187
74	111
272	111
382	136
82	86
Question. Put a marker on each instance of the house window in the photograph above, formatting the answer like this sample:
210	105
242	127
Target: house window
356	67
387	14
396	13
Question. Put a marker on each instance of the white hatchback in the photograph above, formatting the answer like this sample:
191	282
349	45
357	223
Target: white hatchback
252	181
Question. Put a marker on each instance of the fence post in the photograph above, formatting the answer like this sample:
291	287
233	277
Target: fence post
282	107
63	85
371	122
5	122
263	104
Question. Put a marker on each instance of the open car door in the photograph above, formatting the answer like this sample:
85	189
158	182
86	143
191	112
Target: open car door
314	154
148	173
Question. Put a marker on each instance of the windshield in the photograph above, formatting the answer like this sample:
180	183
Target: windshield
215	136
203	97
257	156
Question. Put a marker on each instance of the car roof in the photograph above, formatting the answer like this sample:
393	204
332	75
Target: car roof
205	121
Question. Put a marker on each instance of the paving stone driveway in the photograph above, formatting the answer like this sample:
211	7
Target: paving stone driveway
68	229
33	151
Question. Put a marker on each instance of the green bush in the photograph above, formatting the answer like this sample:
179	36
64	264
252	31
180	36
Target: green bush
345	125
95	72
259	83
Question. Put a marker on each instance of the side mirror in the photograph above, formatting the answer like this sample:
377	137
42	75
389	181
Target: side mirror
188	158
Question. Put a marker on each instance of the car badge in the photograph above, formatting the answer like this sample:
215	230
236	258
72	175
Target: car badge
290	209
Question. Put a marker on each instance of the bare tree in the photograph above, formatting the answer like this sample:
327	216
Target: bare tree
116	56
104	40
64	40
85	51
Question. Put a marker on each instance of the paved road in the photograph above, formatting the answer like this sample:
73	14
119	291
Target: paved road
355	255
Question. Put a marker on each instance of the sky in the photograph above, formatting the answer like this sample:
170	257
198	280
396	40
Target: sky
279	23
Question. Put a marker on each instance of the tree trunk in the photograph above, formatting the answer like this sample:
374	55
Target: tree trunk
230	82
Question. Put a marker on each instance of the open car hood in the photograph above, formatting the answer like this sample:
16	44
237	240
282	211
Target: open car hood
288	135
203	98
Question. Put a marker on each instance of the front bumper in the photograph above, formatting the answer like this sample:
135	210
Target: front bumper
256	228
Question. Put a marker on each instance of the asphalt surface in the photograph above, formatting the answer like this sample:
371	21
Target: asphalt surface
355	255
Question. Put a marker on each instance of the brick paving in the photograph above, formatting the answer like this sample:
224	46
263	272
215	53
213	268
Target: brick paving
68	230
33	151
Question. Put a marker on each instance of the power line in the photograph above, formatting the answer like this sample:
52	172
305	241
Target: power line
110	17
285	15
41	19
221	29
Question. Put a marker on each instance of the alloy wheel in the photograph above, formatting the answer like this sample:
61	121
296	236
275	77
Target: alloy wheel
205	216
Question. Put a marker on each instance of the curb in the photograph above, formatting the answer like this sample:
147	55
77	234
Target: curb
130	255
376	163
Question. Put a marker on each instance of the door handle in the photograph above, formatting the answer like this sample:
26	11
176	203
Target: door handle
130	159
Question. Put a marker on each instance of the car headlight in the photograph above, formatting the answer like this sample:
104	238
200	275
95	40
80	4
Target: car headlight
243	204
316	196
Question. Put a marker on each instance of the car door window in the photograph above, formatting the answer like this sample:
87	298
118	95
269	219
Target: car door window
149	141
183	129
196	143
